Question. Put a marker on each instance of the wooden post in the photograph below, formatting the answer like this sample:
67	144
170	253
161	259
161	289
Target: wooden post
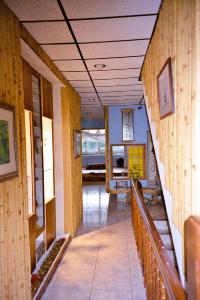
192	238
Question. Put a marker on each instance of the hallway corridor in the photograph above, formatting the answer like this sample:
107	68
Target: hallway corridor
101	262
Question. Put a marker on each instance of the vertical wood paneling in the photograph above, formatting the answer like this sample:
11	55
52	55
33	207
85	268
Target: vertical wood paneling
27	84
14	242
72	166
50	215
177	36
47	101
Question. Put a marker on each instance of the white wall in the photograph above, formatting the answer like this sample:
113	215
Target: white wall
58	160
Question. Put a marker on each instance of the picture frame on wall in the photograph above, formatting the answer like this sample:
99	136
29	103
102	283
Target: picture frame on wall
77	143
127	125
165	90
8	144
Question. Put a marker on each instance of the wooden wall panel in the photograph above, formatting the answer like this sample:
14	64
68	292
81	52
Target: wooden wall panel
47	101
14	241
27	84
71	121
50	215
177	35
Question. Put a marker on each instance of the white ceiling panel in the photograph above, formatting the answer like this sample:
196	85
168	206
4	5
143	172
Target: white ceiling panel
116	63
32	10
125	92
110	90
61	51
121	98
107	8
76	75
50	32
114	49
121	94
86	89
115	82
120	102
86	94
115	74
70	65
113	29
79	84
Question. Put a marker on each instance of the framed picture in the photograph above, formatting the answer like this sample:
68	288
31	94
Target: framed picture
127	125
77	143
8	147
137	161
165	90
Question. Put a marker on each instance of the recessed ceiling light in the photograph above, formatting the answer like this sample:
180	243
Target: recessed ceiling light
100	67
91	99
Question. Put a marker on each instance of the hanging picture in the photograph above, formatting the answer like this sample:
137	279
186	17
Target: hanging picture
151	160
8	149
165	90
137	161
77	143
127	125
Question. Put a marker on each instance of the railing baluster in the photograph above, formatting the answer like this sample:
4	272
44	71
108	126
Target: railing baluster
160	278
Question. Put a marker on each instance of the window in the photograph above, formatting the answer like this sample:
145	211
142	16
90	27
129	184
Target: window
93	141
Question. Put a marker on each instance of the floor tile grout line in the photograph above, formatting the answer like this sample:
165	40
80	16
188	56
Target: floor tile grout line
94	273
128	258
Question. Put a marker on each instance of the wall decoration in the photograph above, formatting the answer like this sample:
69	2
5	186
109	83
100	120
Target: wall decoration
151	161
77	143
137	161
127	125
165	90
8	148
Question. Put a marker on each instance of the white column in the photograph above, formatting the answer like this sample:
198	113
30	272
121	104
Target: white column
58	160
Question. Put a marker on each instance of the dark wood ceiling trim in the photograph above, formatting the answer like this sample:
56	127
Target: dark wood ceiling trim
97	58
120	91
97	42
152	34
107	70
88	19
109	86
111	17
106	79
77	45
31	42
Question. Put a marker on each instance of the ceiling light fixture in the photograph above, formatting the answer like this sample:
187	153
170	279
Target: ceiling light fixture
91	99
100	67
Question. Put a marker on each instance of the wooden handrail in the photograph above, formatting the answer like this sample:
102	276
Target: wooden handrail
192	247
149	238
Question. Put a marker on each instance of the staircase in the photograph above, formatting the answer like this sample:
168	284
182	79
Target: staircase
155	204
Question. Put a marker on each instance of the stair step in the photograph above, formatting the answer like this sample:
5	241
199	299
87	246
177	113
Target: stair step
166	239
162	226
172	259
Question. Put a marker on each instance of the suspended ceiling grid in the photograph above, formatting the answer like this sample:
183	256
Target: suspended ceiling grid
79	34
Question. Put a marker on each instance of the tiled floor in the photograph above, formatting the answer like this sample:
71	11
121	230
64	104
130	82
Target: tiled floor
102	261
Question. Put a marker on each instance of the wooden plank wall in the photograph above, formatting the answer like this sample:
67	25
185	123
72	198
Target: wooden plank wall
72	166
14	241
177	35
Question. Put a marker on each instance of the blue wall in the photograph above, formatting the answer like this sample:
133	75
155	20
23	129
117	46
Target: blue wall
115	127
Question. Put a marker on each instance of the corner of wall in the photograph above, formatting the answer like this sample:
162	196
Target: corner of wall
176	235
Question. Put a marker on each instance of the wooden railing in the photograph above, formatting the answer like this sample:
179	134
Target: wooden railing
192	254
160	277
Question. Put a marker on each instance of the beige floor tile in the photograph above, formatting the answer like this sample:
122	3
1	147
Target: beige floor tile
102	260
111	295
